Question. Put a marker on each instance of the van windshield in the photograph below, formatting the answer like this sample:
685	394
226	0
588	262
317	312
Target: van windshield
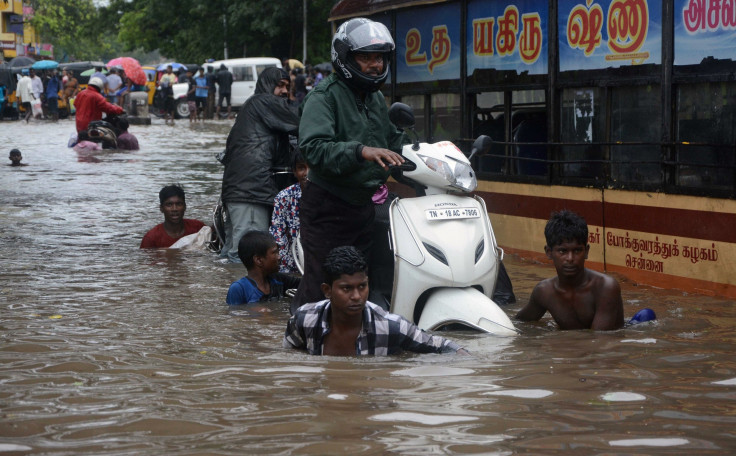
242	73
260	68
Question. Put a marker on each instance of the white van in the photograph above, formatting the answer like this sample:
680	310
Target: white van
245	74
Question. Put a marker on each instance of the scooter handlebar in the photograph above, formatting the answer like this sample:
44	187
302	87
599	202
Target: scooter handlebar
408	165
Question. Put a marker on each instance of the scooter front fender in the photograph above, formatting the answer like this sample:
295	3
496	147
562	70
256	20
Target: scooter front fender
466	306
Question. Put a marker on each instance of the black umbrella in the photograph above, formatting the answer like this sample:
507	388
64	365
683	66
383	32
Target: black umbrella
324	67
7	78
22	61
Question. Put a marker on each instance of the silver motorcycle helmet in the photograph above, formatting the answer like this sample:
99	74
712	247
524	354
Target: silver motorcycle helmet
361	35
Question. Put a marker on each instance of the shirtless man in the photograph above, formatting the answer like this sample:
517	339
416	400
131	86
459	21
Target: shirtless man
577	298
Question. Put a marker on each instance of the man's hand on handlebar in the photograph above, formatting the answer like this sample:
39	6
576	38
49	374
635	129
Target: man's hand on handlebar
383	157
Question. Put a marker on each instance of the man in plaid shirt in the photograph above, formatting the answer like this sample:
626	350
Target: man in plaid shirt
346	324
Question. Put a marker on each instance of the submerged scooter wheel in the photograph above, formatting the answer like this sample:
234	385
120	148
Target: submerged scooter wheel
465	307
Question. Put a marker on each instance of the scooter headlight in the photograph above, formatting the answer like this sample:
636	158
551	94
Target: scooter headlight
456	173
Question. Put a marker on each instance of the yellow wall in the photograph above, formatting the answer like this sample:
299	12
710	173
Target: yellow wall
13	6
673	261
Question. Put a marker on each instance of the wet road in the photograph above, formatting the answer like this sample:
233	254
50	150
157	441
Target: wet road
109	350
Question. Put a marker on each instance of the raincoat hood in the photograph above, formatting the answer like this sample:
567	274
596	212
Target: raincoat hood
269	79
258	143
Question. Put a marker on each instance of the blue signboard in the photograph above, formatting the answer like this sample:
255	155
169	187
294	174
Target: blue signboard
428	44
15	24
507	36
704	29
609	33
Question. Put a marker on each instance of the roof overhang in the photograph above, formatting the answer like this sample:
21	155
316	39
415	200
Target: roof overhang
352	8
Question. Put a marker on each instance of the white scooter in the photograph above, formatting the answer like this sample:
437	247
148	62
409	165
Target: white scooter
446	259
443	253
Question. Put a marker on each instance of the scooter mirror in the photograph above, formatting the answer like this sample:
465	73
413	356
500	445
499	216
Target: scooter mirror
401	115
481	146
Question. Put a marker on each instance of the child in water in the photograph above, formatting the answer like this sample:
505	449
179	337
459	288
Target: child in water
260	255
285	218
15	158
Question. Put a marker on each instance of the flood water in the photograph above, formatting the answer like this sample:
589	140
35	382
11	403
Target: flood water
109	350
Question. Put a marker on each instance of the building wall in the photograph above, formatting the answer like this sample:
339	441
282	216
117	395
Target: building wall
17	36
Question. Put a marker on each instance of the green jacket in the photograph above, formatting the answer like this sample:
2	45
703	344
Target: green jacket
334	126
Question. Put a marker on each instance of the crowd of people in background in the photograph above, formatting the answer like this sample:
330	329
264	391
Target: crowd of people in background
50	94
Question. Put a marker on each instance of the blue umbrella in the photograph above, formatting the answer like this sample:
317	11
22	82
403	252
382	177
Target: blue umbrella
45	65
175	66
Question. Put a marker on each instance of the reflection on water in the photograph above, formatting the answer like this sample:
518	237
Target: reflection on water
106	349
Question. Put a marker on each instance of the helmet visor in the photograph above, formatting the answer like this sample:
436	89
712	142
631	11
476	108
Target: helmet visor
370	37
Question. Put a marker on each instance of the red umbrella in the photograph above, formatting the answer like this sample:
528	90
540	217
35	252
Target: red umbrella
131	67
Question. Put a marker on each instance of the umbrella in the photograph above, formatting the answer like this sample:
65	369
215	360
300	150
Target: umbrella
324	66
22	61
131	67
175	66
91	71
45	65
6	77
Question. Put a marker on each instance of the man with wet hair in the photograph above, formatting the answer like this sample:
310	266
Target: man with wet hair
173	205
257	143
260	256
347	324
578	298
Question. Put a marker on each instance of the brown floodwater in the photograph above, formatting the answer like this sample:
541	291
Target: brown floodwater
106	349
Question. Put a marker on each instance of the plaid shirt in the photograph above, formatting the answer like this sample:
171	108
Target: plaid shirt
383	333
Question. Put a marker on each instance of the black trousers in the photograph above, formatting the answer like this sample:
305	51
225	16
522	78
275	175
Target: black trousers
328	222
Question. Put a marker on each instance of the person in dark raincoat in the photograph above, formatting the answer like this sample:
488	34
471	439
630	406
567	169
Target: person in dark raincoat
258	142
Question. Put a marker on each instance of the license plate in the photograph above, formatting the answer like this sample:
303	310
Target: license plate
452	213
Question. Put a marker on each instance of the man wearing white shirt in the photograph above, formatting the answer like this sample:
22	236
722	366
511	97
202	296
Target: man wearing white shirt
25	93
36	84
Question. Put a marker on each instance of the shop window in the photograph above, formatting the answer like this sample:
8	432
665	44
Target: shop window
242	73
706	113
636	117
416	102
488	119
529	125
445	117
582	120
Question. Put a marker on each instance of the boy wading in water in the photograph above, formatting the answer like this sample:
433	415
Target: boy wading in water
260	255
347	324
578	298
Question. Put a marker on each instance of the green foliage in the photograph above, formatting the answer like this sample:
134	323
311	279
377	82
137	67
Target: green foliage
66	24
194	30
185	30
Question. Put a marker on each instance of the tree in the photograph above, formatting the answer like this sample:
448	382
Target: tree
194	30
70	26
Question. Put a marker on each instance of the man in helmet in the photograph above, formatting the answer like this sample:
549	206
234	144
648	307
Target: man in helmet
348	142
90	105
